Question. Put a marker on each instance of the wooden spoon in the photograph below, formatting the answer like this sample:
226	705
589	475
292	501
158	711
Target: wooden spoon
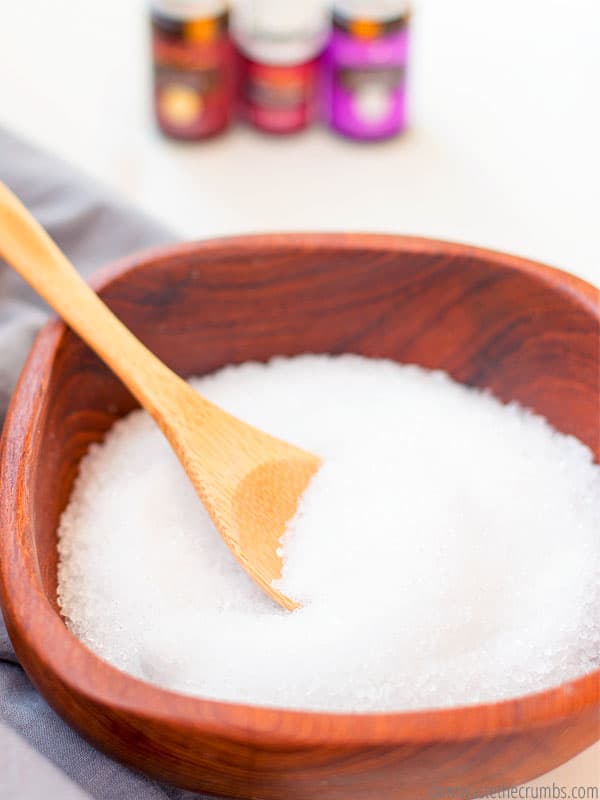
249	482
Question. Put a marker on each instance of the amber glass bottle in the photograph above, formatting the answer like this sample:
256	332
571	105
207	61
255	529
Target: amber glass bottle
193	66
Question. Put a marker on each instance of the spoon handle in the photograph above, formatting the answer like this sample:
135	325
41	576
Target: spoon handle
26	246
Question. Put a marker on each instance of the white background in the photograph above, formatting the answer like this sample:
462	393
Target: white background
503	148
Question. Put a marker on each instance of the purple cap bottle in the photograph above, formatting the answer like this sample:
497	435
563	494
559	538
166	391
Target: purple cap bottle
365	68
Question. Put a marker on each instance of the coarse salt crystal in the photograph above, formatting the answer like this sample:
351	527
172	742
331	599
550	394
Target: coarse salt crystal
446	553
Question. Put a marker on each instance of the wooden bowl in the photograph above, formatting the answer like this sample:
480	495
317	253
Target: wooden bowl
525	331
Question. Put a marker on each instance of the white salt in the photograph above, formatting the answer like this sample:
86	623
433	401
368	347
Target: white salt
446	553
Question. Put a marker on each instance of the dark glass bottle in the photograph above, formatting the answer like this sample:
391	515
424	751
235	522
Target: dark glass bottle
194	64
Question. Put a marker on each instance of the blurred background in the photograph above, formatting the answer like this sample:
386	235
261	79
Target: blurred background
501	147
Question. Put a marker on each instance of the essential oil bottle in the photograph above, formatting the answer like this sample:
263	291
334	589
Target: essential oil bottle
364	68
279	44
193	67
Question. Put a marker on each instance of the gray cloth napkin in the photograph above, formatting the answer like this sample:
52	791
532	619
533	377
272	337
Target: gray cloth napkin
41	758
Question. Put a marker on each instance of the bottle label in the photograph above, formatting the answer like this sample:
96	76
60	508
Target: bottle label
279	99
365	92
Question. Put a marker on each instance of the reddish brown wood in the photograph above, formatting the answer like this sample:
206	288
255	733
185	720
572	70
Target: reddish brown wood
526	331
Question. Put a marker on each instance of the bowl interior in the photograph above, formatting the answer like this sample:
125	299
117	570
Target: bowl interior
525	332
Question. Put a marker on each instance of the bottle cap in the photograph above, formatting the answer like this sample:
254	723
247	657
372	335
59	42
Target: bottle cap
381	11
279	31
190	9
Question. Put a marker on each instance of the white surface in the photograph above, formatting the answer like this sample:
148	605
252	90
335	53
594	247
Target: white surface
503	149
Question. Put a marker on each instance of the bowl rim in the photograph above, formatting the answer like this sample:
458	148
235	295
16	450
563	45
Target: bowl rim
44	642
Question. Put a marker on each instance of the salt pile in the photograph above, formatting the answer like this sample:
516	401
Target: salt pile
447	552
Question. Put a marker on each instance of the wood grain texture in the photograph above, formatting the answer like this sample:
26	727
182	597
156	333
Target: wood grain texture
525	331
